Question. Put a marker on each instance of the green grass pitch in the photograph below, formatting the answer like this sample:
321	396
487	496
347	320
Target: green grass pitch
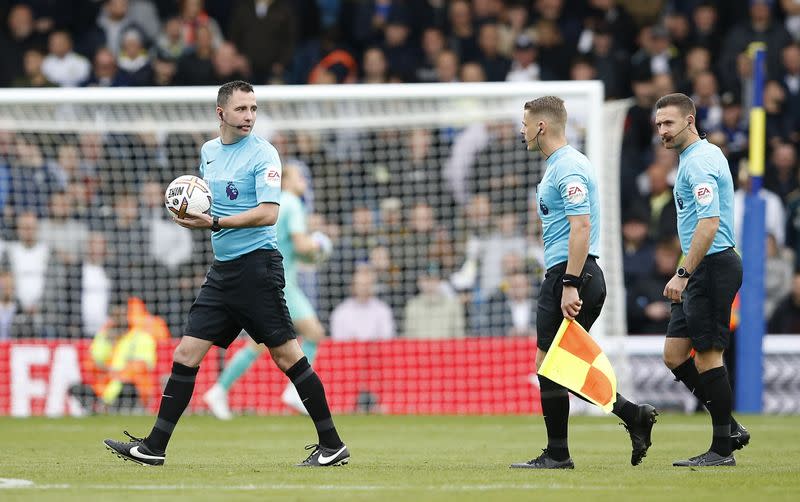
393	458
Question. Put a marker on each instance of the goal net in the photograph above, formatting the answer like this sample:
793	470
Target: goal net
426	191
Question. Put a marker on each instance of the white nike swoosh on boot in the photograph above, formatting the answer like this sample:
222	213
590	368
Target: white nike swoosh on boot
324	460
136	453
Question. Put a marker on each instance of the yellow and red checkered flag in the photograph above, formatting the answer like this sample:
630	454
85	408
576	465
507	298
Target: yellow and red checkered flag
579	364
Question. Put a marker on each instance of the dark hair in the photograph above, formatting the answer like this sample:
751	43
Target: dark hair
679	100
226	91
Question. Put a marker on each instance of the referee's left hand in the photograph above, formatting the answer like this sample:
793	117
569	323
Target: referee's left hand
674	288
194	221
570	302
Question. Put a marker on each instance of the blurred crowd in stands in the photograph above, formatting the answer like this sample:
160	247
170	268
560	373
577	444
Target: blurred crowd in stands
83	225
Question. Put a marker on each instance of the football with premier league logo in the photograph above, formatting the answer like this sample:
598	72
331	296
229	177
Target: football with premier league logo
187	194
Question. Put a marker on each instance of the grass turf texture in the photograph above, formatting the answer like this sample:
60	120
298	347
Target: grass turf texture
394	458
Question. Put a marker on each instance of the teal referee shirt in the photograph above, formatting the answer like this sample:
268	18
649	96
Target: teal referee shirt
704	189
241	176
568	188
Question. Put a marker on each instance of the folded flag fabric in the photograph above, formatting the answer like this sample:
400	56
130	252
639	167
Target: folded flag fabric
579	364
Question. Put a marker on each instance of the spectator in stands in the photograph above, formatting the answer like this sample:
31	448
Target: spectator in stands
759	27
195	66
617	18
637	139
786	318
126	235
28	258
134	60
582	68
524	67
165	69
793	226
62	65
705	28
33	76
265	32
433	43
779	123
447	67
707	101
33	178
514	22
778	269
792	22
735	129
780	175
400	53
554	55
60	232
637	248
170	42
8	306
472	72
373	66
612	63
495	65
362	316
113	22
774	218
194	18
22	36
658	187
790	58
678	30
105	72
229	65
462	31
568	24
76	301
697	60
656	53
511	310
647	309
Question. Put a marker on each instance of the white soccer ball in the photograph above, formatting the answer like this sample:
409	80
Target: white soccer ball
187	194
325	246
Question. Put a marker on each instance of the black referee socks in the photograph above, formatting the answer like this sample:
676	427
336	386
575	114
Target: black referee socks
312	393
555	408
717	390
177	394
688	375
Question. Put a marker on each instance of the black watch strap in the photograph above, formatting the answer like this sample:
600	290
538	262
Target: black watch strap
683	273
571	280
215	224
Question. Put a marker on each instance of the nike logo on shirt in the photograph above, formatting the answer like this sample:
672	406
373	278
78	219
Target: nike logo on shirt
324	460
210	161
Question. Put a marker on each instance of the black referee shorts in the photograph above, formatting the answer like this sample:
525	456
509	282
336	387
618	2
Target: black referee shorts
548	310
704	316
243	293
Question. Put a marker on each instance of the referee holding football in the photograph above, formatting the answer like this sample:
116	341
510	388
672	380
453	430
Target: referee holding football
243	287
569	209
703	288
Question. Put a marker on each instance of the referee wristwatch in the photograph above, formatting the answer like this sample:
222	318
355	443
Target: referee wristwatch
215	224
683	273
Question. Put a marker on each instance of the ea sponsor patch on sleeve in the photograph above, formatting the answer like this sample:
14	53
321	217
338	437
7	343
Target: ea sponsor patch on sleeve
273	177
576	192
704	194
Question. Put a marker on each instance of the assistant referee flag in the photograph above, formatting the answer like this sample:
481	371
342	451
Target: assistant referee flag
577	362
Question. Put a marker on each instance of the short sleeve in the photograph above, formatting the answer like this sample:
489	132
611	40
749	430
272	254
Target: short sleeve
296	222
201	169
705	190
574	190
267	172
